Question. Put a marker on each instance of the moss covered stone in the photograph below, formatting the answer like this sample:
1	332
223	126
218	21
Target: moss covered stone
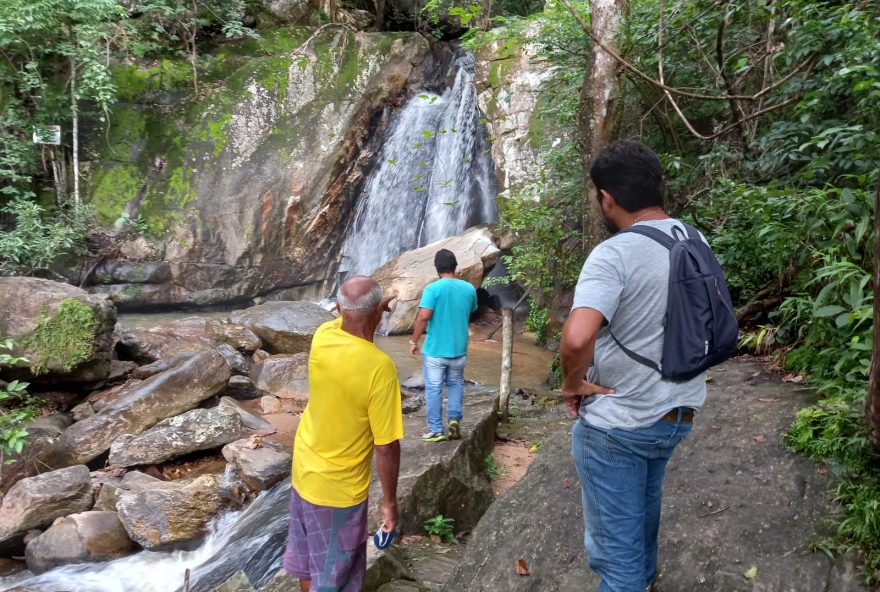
64	339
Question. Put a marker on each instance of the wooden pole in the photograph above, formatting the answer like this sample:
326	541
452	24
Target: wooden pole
506	359
186	581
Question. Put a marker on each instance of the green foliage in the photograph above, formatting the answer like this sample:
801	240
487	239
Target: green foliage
492	468
41	237
443	527
17	407
64	339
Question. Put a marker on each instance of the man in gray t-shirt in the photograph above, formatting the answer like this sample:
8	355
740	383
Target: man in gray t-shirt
630	418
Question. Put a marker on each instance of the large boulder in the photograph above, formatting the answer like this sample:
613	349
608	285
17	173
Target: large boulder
36	501
161	517
64	332
80	538
146	346
199	429
110	486
259	464
241	338
284	327
284	376
162	396
408	274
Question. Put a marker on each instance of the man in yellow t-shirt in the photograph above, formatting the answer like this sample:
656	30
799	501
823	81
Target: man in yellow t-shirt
354	406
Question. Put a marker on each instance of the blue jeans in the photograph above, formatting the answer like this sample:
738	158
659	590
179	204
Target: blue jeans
621	474
437	372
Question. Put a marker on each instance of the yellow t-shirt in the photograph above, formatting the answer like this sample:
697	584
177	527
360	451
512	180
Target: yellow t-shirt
354	404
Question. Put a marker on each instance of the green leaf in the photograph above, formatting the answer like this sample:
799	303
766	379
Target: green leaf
828	311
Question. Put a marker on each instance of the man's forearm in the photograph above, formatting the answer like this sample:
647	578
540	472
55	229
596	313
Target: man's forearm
388	468
575	363
419	328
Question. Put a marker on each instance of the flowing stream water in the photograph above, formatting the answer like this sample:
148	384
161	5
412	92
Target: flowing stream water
433	178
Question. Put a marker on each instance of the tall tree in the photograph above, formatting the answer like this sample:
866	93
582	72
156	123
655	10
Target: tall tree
872	404
598	98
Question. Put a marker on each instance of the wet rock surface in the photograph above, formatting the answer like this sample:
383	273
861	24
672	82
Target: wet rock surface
161	517
259	464
283	327
146	346
734	497
86	537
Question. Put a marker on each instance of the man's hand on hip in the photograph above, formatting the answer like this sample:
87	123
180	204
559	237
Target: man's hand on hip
572	397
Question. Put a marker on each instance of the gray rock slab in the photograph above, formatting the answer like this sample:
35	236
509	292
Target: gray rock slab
444	477
284	375
199	429
162	396
241	387
36	501
284	327
248	418
258	466
86	537
241	338
731	501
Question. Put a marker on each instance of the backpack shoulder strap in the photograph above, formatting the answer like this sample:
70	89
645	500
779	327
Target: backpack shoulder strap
652	233
634	356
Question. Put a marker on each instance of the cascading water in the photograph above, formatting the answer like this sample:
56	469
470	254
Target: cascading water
251	540
434	178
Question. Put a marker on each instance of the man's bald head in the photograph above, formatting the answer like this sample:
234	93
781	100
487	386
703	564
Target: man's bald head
359	295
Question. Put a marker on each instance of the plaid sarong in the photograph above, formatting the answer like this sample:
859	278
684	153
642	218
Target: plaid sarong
327	545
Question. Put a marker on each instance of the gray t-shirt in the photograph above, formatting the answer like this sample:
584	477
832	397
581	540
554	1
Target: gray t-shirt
626	279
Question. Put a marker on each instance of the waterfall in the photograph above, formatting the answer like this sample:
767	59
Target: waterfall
251	540
434	177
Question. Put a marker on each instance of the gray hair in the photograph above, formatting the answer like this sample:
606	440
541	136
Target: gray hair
363	303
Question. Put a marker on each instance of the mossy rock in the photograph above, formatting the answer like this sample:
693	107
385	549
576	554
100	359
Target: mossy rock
64	332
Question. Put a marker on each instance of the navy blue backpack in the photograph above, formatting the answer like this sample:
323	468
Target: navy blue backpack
700	329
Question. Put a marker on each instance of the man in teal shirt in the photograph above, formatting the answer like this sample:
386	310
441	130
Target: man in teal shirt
445	308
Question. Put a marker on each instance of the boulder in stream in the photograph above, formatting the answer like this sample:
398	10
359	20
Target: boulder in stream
408	274
64	332
146	346
162	396
284	376
284	327
199	429
259	464
162	517
86	537
36	501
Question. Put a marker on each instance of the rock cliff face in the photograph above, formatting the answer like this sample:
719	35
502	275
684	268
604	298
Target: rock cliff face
512	82
249	185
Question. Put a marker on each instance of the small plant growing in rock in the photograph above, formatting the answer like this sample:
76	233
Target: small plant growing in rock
440	528
491	466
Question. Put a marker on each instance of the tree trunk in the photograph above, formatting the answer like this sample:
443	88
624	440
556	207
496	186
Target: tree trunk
872	404
598	96
74	112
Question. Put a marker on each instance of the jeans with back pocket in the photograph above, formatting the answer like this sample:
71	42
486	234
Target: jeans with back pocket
437	372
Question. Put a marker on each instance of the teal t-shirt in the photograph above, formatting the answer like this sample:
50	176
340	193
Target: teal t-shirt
452	301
